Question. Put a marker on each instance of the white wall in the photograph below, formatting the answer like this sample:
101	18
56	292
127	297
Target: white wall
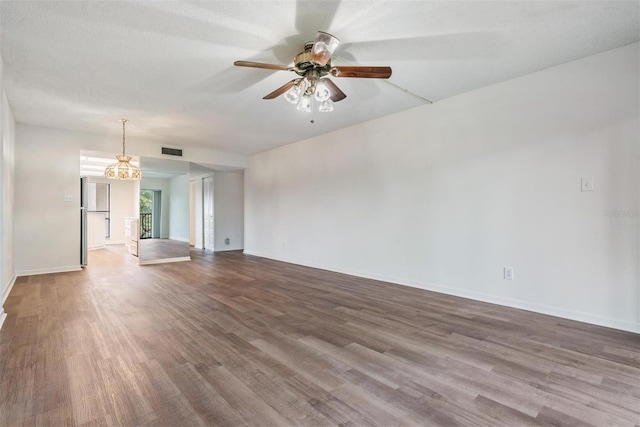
179	208
7	198
122	196
228	194
47	229
444	196
7	173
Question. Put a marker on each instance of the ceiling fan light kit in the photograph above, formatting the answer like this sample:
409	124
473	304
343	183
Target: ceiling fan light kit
305	104
294	94
303	90
313	64
322	92
326	106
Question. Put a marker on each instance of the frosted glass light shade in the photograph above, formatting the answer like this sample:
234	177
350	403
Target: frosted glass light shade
305	103
326	106
322	91
323	47
293	95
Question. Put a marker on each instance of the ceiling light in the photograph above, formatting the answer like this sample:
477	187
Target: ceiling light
306	90
293	95
326	106
123	169
323	47
322	92
305	103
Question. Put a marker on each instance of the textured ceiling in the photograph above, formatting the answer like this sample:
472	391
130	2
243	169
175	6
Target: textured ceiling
168	66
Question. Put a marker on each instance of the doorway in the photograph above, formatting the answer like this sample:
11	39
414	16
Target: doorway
192	212
150	213
207	211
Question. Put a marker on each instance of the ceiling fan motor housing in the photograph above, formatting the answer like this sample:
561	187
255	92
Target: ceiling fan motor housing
303	63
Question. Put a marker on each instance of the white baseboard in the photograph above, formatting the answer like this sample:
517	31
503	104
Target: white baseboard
478	296
3	316
48	270
8	289
228	249
164	260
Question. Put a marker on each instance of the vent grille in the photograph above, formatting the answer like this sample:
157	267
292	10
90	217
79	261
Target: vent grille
172	151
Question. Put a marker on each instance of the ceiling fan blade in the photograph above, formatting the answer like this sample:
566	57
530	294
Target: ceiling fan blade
336	93
323	47
363	72
262	65
282	89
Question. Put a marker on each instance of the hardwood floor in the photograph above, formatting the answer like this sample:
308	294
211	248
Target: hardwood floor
229	339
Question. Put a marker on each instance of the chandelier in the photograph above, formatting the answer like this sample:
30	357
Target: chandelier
123	170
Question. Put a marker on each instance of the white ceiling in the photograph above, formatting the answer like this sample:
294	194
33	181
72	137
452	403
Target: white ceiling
168	66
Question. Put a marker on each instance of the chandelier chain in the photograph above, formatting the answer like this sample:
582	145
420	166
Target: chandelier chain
123	123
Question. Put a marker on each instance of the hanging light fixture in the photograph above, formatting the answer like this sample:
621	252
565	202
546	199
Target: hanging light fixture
307	88
323	48
123	169
294	94
322	95
305	103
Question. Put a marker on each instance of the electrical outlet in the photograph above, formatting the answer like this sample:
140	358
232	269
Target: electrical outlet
68	198
508	273
586	183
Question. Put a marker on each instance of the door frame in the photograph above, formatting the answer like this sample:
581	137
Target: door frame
211	204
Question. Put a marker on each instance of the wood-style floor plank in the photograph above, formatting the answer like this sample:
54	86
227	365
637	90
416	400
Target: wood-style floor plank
235	340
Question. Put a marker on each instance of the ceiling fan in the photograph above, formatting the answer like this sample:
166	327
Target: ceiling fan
313	65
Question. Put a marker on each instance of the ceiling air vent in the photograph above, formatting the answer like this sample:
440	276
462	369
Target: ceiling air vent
172	151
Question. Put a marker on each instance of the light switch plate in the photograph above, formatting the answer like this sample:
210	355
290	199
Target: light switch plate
586	183
508	273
